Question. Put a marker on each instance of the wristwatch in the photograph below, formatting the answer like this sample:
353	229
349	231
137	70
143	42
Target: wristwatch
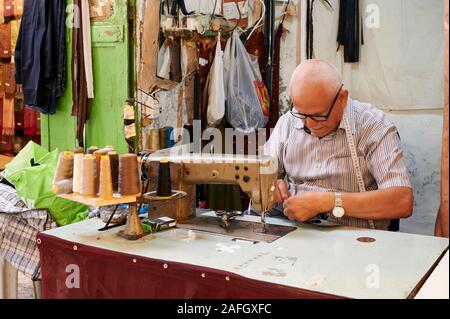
338	210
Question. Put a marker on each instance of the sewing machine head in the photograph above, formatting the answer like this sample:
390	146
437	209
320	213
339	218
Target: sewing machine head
256	176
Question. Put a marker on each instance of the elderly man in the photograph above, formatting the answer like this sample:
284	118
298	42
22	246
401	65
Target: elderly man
338	156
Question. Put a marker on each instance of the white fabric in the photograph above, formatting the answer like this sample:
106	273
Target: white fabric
401	62
87	48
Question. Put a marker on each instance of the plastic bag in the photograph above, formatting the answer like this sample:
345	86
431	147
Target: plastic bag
216	89
247	99
34	184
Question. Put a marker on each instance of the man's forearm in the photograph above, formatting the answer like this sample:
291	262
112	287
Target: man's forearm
390	203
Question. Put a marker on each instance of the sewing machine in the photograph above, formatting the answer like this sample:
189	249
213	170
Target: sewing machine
256	176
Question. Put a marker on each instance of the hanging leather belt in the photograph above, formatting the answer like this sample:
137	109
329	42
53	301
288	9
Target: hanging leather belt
81	103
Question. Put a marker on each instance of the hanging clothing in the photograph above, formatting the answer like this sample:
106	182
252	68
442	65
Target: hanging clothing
81	90
350	30
30	122
41	53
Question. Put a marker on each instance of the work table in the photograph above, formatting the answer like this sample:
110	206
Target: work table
329	261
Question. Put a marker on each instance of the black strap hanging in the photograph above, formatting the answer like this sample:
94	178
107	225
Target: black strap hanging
310	27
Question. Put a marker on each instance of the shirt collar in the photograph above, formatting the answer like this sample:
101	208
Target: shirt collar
298	123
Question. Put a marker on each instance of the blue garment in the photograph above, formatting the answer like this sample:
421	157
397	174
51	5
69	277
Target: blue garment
40	55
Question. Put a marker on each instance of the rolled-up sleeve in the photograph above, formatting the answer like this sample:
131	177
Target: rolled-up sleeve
385	157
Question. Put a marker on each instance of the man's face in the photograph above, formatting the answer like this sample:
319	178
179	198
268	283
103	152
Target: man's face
320	104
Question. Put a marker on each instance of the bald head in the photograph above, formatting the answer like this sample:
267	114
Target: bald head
315	76
314	86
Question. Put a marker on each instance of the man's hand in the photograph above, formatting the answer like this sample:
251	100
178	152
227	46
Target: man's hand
281	191
307	205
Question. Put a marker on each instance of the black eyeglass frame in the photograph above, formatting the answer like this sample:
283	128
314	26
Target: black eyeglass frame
316	118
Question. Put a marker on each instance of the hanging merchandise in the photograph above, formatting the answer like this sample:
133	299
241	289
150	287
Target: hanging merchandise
9	84
15	24
350	30
8	10
216	89
30	122
2	79
8	123
82	79
18	115
87	47
247	99
5	43
310	26
40	54
18	8
2	18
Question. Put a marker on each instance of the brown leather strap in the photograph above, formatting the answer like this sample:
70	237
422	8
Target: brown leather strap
81	103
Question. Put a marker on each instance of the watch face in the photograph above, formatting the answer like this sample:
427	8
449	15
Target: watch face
338	212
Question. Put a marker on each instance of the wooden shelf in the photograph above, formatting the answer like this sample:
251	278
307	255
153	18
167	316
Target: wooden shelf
98	202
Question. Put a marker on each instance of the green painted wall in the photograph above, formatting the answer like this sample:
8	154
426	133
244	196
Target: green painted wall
111	63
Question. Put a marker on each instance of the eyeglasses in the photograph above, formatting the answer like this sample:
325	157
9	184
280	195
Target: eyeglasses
317	118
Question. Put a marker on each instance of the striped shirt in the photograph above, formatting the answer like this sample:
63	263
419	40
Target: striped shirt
325	165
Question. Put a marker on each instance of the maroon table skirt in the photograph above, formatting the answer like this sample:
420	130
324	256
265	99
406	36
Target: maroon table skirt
71	270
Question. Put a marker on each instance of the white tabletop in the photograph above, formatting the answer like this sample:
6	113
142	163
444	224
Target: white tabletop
326	260
437	285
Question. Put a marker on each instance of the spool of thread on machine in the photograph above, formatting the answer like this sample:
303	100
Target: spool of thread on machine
77	159
129	183
114	163
105	187
64	168
164	188
98	156
170	138
92	149
78	150
163	138
108	148
87	187
154	141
